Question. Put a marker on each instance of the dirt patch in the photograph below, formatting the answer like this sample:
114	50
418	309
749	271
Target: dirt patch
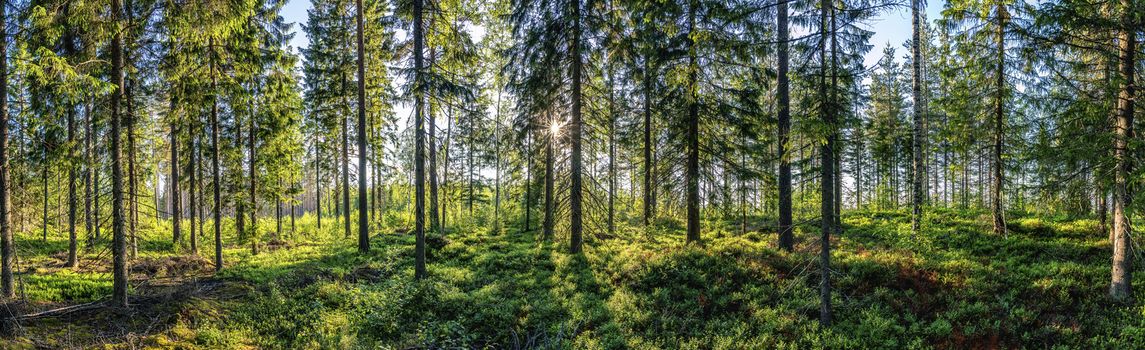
171	267
276	244
153	311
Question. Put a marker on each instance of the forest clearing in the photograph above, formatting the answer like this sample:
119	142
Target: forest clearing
571	174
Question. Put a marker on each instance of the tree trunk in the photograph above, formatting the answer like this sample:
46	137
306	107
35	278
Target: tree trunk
215	178
1119	288
70	51
649	196
550	207
999	117
6	243
345	211
194	202
611	154
528	179
89	162
254	237
363	214
317	184
826	152
916	136
435	207
693	136
444	205
176	211
419	143
119	234
575	134
783	97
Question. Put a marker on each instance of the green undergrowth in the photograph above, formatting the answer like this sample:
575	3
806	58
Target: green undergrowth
957	285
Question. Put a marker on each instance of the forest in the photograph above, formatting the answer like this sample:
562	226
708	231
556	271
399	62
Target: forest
570	174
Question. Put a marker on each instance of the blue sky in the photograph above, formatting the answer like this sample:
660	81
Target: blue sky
892	27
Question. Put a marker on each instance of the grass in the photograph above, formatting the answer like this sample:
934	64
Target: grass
954	286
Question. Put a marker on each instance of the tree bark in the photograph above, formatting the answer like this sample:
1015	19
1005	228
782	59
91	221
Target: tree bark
1119	288
176	211
254	237
419	143
6	243
916	136
575	228
999	118
118	229
826	152
649	192
215	178
783	99
194	200
693	136
363	214
550	207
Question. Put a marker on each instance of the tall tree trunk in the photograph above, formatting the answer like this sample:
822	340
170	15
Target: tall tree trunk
436	210
215	178
826	152
611	153
469	157
345	211
194	202
550	207
783	98
132	206
693	135
73	259
317	184
89	192
6	243
363	214
44	182
419	143
916	136
575	212
528	154
119	234
649	192
446	147
1119	288
254	237
176	211
999	117
497	160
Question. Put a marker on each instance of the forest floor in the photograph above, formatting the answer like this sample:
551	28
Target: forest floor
956	286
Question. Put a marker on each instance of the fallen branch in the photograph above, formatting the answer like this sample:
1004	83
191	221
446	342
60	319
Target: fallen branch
61	311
